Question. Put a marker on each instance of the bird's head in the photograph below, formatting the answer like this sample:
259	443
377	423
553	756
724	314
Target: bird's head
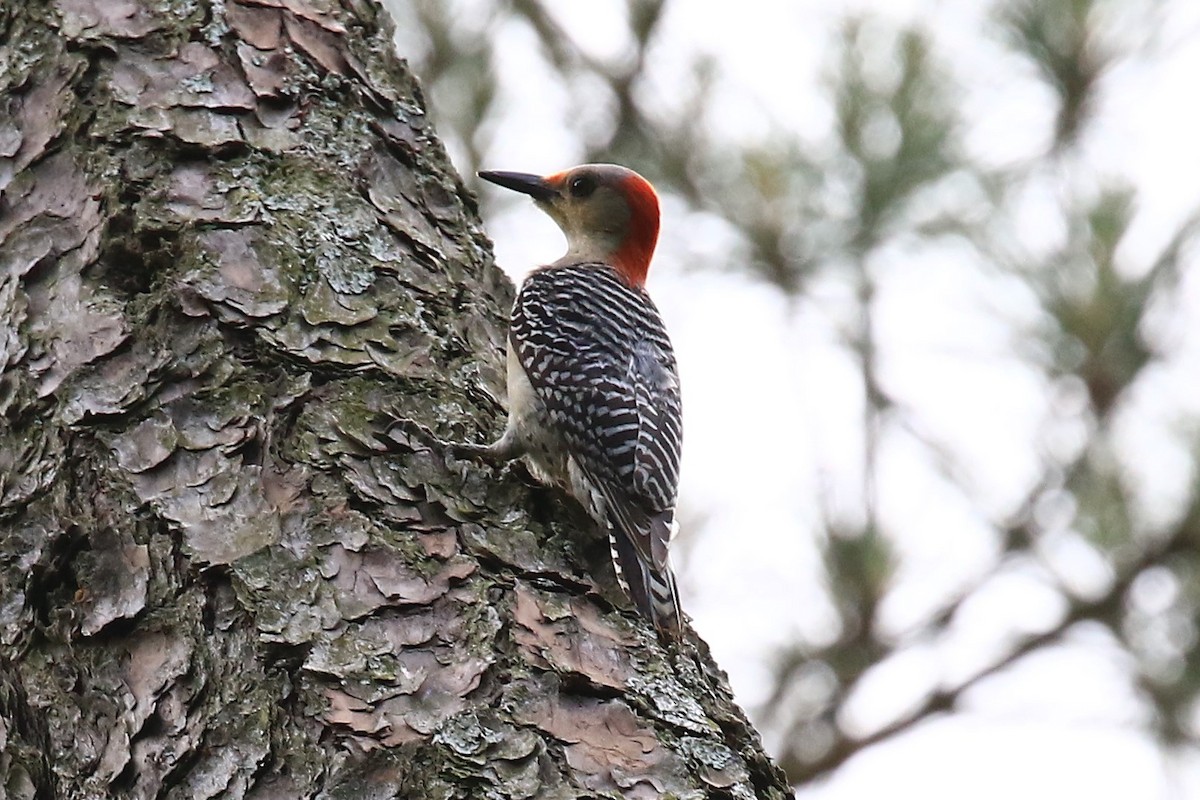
608	213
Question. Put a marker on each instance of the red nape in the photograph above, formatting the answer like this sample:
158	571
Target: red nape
632	258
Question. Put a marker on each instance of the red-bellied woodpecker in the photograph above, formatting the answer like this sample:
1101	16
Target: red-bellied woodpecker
593	389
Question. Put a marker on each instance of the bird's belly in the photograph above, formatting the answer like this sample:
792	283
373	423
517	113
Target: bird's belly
544	449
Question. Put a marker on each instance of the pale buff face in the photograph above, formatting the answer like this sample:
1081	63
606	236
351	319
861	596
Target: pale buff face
591	209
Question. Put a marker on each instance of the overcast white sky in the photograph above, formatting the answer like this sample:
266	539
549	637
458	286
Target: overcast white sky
773	405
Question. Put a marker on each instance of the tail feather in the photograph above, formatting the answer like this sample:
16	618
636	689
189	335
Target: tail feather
652	590
639	540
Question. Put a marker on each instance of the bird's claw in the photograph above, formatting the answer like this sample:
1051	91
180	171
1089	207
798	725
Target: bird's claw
473	452
407	434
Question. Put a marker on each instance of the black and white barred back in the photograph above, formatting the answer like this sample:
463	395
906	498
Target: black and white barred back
599	360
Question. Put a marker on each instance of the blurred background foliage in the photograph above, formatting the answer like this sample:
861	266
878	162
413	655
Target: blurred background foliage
1101	323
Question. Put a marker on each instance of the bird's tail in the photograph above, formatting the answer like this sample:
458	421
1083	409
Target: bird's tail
652	589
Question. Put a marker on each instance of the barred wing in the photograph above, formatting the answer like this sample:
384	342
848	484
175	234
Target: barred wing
598	357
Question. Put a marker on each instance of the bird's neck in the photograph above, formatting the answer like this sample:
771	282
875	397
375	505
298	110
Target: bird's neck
629	255
631	270
632	258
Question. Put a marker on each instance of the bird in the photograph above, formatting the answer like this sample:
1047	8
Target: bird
593	384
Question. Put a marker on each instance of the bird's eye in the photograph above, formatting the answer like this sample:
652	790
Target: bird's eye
582	185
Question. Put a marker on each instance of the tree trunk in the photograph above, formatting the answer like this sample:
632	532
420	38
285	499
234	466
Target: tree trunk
239	279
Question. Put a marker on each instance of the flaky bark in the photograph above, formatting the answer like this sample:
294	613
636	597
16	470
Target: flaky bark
239	277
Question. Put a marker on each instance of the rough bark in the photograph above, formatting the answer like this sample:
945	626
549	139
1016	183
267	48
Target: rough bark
239	277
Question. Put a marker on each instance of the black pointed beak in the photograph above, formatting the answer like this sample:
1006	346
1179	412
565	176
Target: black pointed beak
533	185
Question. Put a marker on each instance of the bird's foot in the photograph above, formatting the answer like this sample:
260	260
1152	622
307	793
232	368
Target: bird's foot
407	435
468	451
